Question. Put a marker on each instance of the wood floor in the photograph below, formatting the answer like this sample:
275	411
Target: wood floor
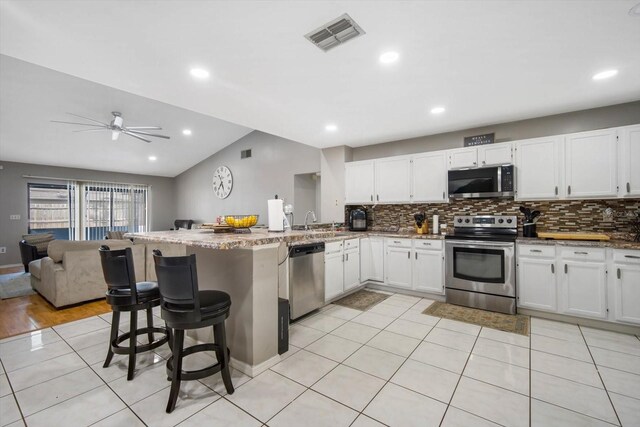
32	312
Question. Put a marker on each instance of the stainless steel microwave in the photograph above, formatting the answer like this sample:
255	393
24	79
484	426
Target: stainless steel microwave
482	183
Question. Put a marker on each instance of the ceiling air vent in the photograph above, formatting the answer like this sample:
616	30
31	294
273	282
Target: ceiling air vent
335	33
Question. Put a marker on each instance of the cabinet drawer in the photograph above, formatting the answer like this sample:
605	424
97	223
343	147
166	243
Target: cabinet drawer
333	247
427	244
351	244
537	251
399	243
626	256
583	253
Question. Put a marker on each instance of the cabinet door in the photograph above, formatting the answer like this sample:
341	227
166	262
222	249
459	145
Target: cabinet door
463	158
359	181
495	154
365	259
398	267
333	276
429	177
584	289
628	161
537	284
351	269
393	180
428	271
538	165
627	293
590	164
376	271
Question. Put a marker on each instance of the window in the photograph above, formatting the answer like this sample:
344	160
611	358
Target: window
87	210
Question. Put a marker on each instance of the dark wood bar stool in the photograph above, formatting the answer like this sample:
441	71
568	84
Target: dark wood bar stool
185	307
125	294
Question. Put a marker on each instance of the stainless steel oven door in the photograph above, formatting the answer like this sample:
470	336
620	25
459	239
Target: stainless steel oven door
480	266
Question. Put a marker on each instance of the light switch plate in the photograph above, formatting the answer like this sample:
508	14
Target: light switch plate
14	216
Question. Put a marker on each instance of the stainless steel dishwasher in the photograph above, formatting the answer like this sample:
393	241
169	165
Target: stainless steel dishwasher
306	278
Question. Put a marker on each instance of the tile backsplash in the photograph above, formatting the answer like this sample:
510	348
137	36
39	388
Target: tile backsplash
602	216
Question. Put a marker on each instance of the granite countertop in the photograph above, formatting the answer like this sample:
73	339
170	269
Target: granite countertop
208	239
615	244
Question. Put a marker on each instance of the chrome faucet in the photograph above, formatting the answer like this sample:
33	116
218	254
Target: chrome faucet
306	218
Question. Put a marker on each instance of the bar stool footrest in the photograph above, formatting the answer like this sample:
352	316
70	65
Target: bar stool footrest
197	373
140	348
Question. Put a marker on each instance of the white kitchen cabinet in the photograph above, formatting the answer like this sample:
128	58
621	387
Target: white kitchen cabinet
398	263
626	286
333	275
341	267
591	164
428	267
359	182
463	158
495	154
392	180
628	155
429	177
372	259
351	269
536	277
584	282
538	168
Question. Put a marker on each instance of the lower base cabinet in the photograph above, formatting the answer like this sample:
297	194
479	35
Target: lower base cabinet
584	289
333	275
428	271
537	283
341	268
351	269
398	266
626	286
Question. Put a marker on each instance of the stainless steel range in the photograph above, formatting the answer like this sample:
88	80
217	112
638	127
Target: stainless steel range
480	262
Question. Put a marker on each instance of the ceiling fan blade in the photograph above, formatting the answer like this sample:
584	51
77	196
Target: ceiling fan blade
135	136
144	127
137	132
81	124
90	130
87	118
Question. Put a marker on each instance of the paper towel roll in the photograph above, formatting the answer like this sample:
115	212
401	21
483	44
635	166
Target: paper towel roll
276	214
435	229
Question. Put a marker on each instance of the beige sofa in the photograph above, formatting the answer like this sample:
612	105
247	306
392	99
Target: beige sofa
72	273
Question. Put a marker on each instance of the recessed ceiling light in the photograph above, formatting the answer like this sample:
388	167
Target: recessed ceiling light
152	158
186	132
331	127
605	74
389	57
437	110
199	73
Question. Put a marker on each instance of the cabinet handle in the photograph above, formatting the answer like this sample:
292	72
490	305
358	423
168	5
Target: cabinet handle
409	254
553	269
556	190
565	269
619	273
535	250
484	163
416	255
569	190
632	256
581	253
372	197
396	241
347	257
628	187
377	197
443	195
474	163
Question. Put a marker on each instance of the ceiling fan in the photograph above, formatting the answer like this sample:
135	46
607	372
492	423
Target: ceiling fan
116	127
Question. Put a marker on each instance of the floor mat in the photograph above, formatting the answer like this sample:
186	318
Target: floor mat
15	285
362	300
517	324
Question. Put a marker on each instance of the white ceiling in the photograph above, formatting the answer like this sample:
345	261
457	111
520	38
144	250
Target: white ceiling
486	61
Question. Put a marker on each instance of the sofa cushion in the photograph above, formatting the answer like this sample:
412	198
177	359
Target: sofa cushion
34	268
40	241
57	248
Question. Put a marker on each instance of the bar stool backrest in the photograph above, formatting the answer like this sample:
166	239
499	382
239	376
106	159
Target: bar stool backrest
178	282
119	272
183	223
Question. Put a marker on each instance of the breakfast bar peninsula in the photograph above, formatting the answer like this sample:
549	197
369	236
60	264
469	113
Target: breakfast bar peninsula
250	267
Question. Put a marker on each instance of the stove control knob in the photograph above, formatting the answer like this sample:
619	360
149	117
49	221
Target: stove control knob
502	220
509	221
466	220
459	219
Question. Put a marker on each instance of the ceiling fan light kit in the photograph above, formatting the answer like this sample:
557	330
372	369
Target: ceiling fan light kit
116	126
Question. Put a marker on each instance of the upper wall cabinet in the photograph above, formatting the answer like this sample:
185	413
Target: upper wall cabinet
495	154
429	177
359	181
538	166
629	153
392	180
463	158
590	164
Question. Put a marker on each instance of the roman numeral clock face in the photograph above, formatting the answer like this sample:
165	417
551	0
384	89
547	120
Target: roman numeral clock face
222	182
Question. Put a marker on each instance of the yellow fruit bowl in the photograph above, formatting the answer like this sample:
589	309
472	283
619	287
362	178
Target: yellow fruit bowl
241	221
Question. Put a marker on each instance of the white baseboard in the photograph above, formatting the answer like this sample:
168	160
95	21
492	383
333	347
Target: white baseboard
10	265
382	287
594	323
252	370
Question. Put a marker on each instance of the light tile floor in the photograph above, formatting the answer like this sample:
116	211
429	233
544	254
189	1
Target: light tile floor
390	366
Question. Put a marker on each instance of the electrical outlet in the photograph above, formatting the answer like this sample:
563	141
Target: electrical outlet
3	249
14	216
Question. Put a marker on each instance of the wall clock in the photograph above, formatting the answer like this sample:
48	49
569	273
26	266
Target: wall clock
222	182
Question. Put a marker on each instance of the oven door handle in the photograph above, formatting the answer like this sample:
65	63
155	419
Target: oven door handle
475	243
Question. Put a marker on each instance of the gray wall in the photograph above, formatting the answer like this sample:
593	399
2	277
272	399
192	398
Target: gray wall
304	197
332	185
268	172
578	121
13	198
